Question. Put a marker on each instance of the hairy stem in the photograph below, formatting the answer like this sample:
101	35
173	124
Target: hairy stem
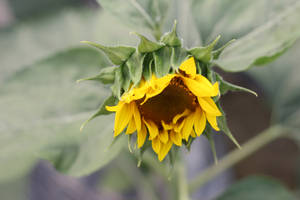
237	155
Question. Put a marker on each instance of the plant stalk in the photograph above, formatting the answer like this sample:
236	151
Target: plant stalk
237	155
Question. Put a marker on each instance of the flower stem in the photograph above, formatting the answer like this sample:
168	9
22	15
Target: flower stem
237	155
183	190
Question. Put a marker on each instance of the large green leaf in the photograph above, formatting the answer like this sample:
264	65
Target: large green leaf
233	19
29	41
257	188
139	14
265	43
42	109
281	83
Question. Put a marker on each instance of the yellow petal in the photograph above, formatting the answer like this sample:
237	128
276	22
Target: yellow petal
216	87
164	136
164	150
199	89
188	126
131	126
152	128
189	67
178	116
141	136
178	127
156	145
193	134
137	116
176	138
166	126
116	107
200	122
209	106
123	115
213	121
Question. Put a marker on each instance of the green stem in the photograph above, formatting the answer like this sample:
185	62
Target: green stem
237	155
183	190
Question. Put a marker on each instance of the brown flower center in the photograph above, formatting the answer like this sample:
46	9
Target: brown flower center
173	100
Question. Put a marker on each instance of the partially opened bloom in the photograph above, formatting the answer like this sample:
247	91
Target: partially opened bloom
168	110
164	92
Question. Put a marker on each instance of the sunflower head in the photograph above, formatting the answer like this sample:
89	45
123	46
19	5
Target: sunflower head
163	93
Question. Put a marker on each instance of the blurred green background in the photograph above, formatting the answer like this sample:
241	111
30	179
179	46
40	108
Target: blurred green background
40	60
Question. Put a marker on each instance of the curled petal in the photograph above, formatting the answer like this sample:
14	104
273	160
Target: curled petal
164	150
199	89
152	128
141	136
176	138
209	106
156	145
123	115
213	121
200	122
164	136
189	67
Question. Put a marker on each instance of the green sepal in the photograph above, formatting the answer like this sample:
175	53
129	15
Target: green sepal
141	152
126	77
178	56
217	53
162	61
204	54
225	86
135	66
129	143
171	38
116	87
148	64
222	123
105	76
146	45
110	101
117	55
208	135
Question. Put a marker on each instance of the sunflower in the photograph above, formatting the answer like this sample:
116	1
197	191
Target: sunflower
168	110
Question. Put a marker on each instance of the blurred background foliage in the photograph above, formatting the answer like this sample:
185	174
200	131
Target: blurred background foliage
42	107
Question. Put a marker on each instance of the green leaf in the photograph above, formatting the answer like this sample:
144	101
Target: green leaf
126	77
110	101
263	44
117	55
171	38
138	13
226	86
233	19
39	37
204	54
256	188
162	61
117	86
217	53
135	66
282	88
146	45
148	66
105	76
222	123
44	121
177	57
